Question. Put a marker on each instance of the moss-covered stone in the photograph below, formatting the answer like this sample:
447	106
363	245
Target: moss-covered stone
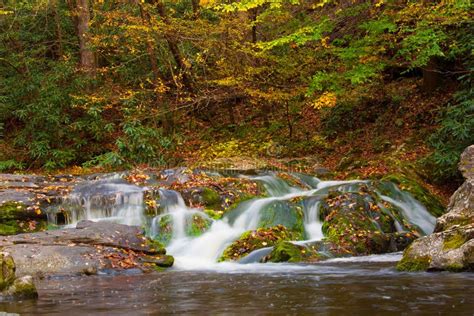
211	198
287	252
22	288
358	223
414	264
7	271
162	261
283	213
419	192
165	229
454	241
156	246
16	218
256	239
196	224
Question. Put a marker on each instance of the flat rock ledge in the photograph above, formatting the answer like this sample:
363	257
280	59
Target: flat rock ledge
87	249
451	246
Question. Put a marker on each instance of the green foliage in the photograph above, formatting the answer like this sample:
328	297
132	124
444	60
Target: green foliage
455	133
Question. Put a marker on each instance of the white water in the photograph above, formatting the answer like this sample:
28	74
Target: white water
105	201
204	251
415	212
124	203
312	224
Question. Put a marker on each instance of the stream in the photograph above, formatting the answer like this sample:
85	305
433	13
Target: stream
367	285
197	283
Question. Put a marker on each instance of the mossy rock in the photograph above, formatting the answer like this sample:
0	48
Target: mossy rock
22	288
160	261
7	271
282	213
454	241
196	224
165	229
16	218
355	224
286	251
256	239
418	191
414	264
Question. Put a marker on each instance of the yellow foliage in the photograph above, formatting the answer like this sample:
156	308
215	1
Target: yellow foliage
326	100
324	42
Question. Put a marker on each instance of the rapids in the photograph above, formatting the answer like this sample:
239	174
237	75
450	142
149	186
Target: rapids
113	199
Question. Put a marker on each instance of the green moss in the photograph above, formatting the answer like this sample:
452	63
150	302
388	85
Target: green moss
9	228
165	229
413	264
156	246
455	267
7	271
454	241
23	288
16	219
287	252
283	213
211	198
11	210
214	214
197	225
256	239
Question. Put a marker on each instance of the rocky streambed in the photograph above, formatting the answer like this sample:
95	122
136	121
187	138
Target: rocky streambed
67	226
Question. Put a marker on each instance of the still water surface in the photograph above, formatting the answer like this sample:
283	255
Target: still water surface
368	286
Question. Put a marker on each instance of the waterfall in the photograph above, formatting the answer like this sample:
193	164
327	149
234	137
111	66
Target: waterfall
115	200
111	200
312	223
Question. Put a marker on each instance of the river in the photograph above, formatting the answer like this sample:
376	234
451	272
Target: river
365	285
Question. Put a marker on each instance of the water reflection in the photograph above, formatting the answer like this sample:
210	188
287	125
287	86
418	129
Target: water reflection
329	288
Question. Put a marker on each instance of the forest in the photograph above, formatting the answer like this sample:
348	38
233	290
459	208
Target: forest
236	157
358	85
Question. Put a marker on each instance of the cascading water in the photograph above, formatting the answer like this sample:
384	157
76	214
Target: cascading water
114	199
312	223
203	251
110	199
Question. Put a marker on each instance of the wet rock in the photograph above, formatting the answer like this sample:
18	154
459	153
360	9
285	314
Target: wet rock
355	224
451	250
207	197
256	239
7	270
86	249
16	217
162	261
287	252
283	213
451	246
196	223
12	287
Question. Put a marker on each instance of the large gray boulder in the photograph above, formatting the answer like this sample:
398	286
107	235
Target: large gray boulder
86	249
451	246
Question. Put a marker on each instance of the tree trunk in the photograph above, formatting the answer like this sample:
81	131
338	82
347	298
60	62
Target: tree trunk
87	57
59	33
173	46
254	15
196	8
431	76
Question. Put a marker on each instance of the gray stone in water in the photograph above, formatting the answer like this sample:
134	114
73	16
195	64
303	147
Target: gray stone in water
81	250
451	247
